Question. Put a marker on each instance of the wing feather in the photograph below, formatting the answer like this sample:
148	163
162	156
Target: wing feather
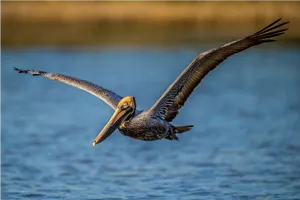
175	96
106	95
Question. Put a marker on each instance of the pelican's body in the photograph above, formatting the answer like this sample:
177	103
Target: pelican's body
143	127
154	123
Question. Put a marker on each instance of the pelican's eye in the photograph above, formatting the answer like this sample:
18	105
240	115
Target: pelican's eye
125	105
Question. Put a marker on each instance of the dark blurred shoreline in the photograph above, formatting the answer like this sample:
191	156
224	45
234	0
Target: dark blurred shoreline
50	23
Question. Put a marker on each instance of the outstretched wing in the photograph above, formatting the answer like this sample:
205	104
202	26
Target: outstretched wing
107	96
175	96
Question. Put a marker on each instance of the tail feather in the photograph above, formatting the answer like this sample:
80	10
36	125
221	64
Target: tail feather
181	129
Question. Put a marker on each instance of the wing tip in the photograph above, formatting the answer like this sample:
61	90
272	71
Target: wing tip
19	70
270	31
32	72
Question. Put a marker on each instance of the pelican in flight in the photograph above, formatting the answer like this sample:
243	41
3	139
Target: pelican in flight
155	123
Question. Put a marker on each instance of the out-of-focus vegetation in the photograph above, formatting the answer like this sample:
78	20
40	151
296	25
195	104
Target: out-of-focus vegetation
55	23
76	12
55	1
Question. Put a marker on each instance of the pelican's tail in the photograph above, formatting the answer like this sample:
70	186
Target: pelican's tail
182	129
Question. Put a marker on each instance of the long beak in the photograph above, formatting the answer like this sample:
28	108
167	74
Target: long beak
111	125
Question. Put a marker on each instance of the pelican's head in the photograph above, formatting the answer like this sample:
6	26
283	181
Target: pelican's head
125	108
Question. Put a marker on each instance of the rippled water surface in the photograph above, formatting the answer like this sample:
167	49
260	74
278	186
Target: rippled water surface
245	143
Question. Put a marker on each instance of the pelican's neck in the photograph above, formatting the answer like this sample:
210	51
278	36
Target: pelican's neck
131	116
135	113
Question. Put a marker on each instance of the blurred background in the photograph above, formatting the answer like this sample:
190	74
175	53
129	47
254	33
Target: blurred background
245	143
69	24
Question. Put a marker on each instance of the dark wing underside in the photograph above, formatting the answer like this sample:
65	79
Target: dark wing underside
175	96
107	96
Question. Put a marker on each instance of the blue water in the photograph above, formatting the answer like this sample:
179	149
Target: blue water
245	143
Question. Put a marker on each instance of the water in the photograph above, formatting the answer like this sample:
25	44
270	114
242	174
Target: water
245	143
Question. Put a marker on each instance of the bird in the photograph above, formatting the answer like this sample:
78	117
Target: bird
155	123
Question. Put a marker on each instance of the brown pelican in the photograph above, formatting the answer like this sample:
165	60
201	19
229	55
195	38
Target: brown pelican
154	123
